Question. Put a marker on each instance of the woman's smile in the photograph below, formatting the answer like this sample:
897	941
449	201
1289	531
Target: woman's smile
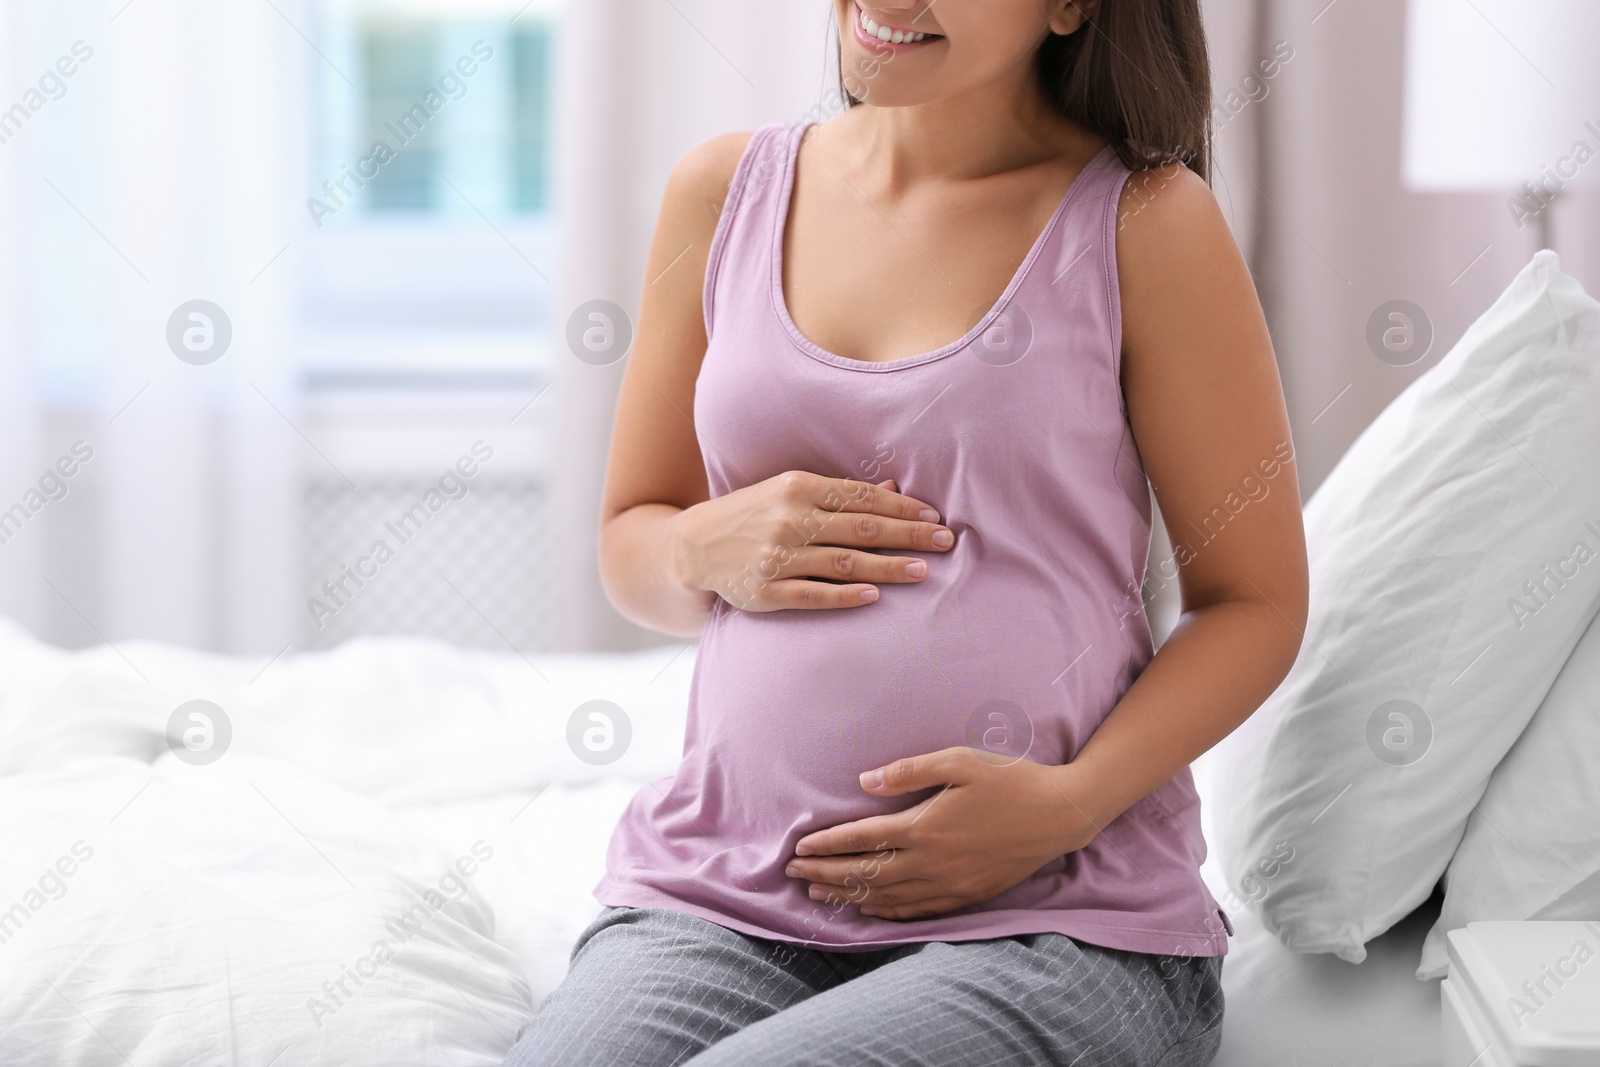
882	36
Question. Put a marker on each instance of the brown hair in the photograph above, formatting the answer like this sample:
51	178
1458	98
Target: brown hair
1137	74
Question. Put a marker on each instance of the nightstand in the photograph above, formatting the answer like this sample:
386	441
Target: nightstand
1523	994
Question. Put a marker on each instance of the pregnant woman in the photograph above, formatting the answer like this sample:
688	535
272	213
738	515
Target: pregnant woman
903	383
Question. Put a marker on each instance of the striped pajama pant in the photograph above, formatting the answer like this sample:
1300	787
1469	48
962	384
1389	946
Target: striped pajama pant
651	987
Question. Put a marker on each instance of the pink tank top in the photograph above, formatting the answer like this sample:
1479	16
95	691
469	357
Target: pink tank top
1021	639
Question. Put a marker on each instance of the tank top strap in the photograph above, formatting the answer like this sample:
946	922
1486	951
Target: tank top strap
1080	254
1103	183
744	227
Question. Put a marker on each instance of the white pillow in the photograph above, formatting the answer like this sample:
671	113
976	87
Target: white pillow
1353	783
234	913
1530	850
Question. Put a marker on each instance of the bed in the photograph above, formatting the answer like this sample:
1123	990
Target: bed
402	793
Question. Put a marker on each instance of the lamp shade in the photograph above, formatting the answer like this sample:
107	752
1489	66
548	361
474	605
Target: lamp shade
1499	93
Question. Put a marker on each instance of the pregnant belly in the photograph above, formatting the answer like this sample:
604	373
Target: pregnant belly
791	707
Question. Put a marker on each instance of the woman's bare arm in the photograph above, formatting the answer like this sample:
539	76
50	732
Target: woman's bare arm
1207	412
655	468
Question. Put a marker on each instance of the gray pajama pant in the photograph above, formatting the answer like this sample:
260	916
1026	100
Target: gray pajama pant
651	987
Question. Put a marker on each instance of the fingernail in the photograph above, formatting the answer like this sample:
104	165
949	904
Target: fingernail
802	850
872	779
916	568
928	515
944	538
817	893
793	872
868	595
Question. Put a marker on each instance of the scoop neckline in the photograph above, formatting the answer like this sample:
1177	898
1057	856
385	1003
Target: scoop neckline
780	303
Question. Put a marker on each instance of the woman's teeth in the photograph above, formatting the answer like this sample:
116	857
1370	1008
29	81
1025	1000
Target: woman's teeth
884	33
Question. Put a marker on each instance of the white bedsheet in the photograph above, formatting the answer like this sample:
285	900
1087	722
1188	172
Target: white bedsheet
390	761
1286	1009
271	907
157	914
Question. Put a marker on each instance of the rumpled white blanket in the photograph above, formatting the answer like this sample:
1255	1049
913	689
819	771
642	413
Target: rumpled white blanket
272	907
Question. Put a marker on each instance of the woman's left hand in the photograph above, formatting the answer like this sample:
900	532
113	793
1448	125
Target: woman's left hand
993	822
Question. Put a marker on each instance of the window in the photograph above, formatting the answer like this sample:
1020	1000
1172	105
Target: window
434	111
531	117
398	68
431	186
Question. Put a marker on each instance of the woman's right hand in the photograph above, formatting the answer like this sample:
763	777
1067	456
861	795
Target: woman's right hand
761	548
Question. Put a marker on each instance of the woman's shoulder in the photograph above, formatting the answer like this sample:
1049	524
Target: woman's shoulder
1169	220
1176	256
1163	198
713	159
704	174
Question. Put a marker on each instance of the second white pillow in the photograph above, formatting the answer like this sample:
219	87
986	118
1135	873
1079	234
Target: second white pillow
1530	849
1448	586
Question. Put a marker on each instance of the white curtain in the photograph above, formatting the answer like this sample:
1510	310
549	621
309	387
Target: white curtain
16	408
1311	176
168	171
19	554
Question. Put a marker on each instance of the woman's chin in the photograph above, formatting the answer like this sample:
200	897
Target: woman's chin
878	92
